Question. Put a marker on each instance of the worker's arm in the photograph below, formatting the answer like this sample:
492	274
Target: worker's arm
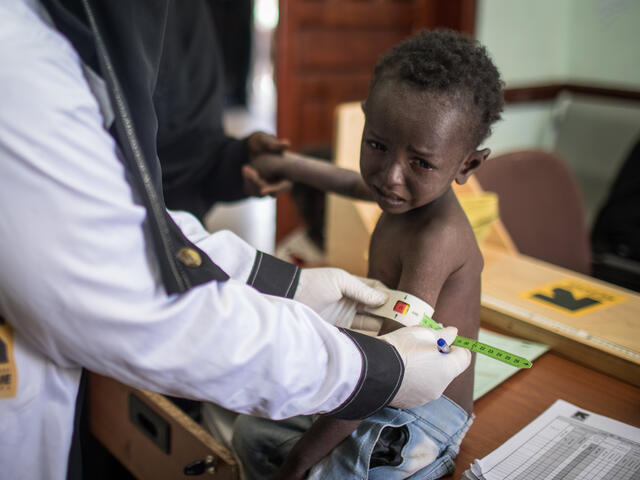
81	284
200	164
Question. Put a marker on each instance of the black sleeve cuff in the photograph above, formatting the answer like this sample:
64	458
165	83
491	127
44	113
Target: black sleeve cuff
380	379
225	183
273	276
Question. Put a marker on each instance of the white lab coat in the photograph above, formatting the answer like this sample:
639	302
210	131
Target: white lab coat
81	287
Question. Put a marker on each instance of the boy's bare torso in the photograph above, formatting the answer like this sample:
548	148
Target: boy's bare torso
432	253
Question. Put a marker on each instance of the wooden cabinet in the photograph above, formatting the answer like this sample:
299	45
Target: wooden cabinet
151	436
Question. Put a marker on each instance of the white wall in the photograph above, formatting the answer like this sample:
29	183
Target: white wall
523	127
551	41
528	40
585	42
604	42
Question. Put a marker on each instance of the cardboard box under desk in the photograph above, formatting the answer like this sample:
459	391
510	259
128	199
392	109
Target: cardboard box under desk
151	436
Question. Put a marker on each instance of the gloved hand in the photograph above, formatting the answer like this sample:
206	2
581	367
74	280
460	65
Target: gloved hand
427	371
334	294
367	323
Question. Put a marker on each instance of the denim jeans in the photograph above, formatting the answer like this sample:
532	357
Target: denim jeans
420	443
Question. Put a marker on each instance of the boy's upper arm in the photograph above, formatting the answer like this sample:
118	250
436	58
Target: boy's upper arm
442	269
428	263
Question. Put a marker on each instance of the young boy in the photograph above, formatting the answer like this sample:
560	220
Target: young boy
431	102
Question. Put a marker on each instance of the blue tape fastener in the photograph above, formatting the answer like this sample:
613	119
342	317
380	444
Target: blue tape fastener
442	345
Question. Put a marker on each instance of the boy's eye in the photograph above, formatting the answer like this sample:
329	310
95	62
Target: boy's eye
422	164
377	145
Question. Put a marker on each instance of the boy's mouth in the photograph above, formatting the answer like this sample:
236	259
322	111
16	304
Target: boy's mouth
388	197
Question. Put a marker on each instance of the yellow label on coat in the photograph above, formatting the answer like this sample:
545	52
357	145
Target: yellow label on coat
8	375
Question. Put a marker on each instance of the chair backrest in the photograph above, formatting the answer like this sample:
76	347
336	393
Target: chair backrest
540	206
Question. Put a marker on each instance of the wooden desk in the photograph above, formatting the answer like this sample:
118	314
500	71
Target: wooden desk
605	338
508	408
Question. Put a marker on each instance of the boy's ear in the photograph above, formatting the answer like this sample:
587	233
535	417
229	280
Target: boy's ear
471	164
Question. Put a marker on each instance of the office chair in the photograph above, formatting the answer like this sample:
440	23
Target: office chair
540	206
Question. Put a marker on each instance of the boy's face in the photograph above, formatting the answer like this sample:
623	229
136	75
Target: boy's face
414	145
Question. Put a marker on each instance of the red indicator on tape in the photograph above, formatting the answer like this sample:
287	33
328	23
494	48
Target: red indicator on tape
401	307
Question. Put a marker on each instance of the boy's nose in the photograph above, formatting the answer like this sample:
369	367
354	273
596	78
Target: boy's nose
393	174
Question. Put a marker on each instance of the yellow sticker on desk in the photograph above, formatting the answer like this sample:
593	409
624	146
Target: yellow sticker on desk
8	376
573	297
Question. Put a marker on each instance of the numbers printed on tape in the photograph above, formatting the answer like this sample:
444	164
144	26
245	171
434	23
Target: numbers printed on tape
492	352
483	348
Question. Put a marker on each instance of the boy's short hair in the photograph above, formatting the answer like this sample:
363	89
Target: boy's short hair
448	62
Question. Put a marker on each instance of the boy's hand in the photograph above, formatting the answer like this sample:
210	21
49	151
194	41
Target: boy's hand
255	185
265	154
334	293
427	371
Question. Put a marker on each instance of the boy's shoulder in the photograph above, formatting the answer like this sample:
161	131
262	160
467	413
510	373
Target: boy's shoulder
445	232
445	222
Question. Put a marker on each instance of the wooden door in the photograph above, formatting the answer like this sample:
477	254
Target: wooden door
325	53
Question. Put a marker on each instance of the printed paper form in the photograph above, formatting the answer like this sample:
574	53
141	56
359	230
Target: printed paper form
565	442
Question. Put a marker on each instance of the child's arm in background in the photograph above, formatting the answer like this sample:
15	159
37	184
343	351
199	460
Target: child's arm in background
316	173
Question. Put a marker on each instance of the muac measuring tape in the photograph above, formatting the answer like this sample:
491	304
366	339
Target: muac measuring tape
480	347
410	310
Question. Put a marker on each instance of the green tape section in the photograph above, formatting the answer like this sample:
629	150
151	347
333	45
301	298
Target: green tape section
480	347
427	321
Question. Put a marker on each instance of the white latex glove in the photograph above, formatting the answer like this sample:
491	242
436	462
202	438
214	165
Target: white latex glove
367	323
427	372
334	294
